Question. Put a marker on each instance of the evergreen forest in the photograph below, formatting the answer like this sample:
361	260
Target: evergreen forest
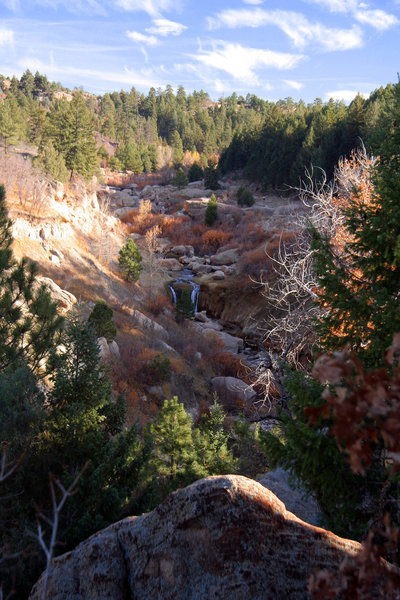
273	142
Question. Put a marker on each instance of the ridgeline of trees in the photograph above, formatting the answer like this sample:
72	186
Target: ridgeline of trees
272	141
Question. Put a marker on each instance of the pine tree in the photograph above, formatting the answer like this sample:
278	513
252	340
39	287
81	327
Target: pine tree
9	125
211	441
101	319
71	128
85	424
173	456
52	162
211	177
361	293
180	179
130	261
195	172
29	323
211	211
313	457
177	148
130	158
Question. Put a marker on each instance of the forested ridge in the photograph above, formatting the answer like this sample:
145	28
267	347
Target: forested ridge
273	142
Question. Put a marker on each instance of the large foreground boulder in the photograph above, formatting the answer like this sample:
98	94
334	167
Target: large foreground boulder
225	538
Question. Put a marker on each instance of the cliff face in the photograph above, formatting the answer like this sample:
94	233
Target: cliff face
224	537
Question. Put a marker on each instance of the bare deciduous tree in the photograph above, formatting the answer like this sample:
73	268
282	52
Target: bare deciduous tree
292	291
49	546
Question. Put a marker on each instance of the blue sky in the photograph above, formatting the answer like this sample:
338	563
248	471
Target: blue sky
274	49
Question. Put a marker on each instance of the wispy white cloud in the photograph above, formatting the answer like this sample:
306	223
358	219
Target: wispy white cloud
296	85
74	6
141	38
343	6
361	11
299	29
241	62
166	27
233	18
377	18
6	36
152	7
255	2
345	95
144	77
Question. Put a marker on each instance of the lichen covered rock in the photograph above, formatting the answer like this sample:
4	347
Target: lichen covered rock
223	537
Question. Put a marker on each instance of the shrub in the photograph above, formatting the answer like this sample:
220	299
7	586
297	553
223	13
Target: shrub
158	304
130	261
244	197
254	262
211	211
160	368
101	318
195	172
229	365
213	239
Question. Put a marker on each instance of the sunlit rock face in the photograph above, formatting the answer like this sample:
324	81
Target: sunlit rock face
225	537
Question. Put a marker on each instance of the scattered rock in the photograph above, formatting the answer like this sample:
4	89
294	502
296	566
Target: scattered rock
58	190
148	323
108	349
156	391
171	264
201	269
114	349
121	212
191	192
225	538
229	388
227	257
231	343
178	251
202	317
135	236
218	275
55	260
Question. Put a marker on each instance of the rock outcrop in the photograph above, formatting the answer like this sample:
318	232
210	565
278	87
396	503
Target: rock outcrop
221	538
231	388
64	299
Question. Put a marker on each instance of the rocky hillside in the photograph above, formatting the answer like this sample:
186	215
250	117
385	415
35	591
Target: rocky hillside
74	233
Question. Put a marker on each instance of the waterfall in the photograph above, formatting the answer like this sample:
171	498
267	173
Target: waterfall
171	287
194	296
186	277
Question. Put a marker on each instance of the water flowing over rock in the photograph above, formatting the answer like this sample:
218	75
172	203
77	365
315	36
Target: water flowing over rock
225	538
185	279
